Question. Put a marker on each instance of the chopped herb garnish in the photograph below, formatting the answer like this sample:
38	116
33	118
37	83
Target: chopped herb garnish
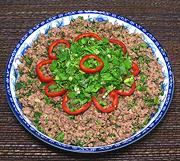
20	85
100	138
141	88
98	122
40	128
37	116
103	103
32	73
151	101
112	135
81	17
62	34
29	93
129	81
30	81
46	120
143	77
28	60
79	143
71	117
143	45
48	100
82	86
42	84
60	137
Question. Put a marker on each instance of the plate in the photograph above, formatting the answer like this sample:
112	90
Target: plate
11	75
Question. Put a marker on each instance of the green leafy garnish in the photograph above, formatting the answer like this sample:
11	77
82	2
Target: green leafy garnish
40	128
98	122
91	63
143	45
53	65
28	60
20	85
129	81
47	99
80	85
141	88
29	93
37	116
71	117
42	84
60	137
79	143
151	101
143	78
112	135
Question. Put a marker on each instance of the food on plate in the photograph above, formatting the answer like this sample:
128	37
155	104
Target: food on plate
89	83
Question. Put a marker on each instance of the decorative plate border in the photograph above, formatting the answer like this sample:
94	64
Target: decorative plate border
72	148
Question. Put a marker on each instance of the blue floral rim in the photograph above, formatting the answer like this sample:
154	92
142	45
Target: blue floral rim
72	148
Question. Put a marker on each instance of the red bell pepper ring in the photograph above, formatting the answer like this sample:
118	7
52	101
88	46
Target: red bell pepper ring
91	70
120	43
113	95
96	36
78	111
55	43
126	93
135	69
40	74
53	94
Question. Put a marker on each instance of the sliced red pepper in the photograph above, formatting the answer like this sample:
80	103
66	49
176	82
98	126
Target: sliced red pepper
120	43
112	107
40	73
78	111
96	36
91	70
55	43
53	94
126	93
135	69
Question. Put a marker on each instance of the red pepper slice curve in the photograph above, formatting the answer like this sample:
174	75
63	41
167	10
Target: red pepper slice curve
78	111
126	93
112	107
40	74
135	69
55	43
53	94
96	36
91	70
120	43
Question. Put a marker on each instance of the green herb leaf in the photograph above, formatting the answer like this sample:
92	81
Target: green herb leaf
20	85
37	116
71	117
128	64
143	45
60	137
40	128
53	65
151	101
129	81
79	143
28	60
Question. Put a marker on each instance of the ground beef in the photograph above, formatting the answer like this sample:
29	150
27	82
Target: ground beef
92	128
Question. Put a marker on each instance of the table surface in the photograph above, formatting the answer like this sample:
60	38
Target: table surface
161	18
